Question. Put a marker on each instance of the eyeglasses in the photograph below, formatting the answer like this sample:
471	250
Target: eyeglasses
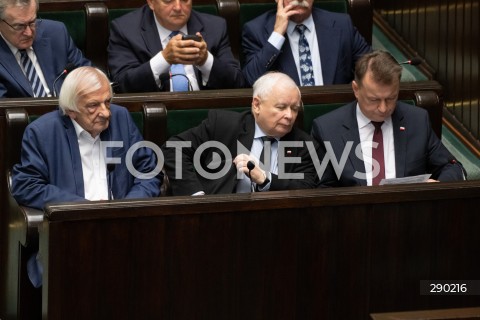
22	27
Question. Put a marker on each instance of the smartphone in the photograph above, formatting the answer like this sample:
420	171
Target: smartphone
191	37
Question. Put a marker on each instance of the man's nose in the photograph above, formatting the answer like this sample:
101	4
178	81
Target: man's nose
104	110
383	106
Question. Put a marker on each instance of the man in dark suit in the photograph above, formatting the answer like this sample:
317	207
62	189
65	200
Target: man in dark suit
347	135
142	49
46	43
222	154
272	42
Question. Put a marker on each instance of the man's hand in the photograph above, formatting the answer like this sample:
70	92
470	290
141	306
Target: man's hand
283	15
180	51
257	175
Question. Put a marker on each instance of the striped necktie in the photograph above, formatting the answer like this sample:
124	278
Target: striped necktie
31	74
177	71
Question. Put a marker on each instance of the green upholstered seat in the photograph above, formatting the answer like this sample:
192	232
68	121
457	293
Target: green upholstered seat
115	13
136	116
75	21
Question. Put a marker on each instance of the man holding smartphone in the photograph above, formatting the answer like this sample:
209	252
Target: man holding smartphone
165	42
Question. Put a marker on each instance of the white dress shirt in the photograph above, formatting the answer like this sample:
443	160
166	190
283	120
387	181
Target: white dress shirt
93	165
159	65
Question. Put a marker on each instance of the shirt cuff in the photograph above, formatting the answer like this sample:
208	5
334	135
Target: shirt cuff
206	69
159	66
276	40
266	187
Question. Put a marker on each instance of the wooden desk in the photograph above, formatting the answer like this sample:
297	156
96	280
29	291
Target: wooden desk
441	314
305	254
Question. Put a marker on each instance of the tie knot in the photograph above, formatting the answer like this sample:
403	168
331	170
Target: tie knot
267	138
23	53
173	34
377	124
301	28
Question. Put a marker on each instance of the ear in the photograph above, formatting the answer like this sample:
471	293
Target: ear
150	4
256	105
355	88
72	114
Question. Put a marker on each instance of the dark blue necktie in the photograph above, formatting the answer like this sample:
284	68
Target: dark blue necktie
32	76
177	71
305	58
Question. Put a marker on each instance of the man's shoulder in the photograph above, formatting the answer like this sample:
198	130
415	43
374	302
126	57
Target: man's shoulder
133	15
264	18
335	115
410	111
207	20
49	121
48	24
297	134
231	115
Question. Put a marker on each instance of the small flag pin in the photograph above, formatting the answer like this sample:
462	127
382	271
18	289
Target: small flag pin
402	128
289	152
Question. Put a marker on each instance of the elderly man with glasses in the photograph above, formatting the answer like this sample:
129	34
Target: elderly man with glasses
33	52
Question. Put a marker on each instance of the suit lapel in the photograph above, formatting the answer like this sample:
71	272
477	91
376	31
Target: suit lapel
400	142
75	154
149	32
327	37
351	133
44	54
193	26
10	64
285	62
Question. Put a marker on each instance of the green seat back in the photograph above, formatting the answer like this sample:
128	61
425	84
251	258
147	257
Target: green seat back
179	121
75	21
182	120
115	13
136	116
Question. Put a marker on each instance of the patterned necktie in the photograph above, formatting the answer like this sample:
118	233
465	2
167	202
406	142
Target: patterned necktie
377	153
177	71
305	58
32	76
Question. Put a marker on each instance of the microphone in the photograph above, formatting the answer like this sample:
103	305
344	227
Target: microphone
250	166
183	75
68	68
413	62
110	168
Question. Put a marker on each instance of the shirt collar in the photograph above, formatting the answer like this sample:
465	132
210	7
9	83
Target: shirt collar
363	121
259	132
307	22
82	133
164	33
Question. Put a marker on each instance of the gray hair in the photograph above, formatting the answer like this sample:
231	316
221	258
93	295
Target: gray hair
80	82
4	4
264	85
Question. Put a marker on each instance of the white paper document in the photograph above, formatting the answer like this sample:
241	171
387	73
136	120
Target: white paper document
412	179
